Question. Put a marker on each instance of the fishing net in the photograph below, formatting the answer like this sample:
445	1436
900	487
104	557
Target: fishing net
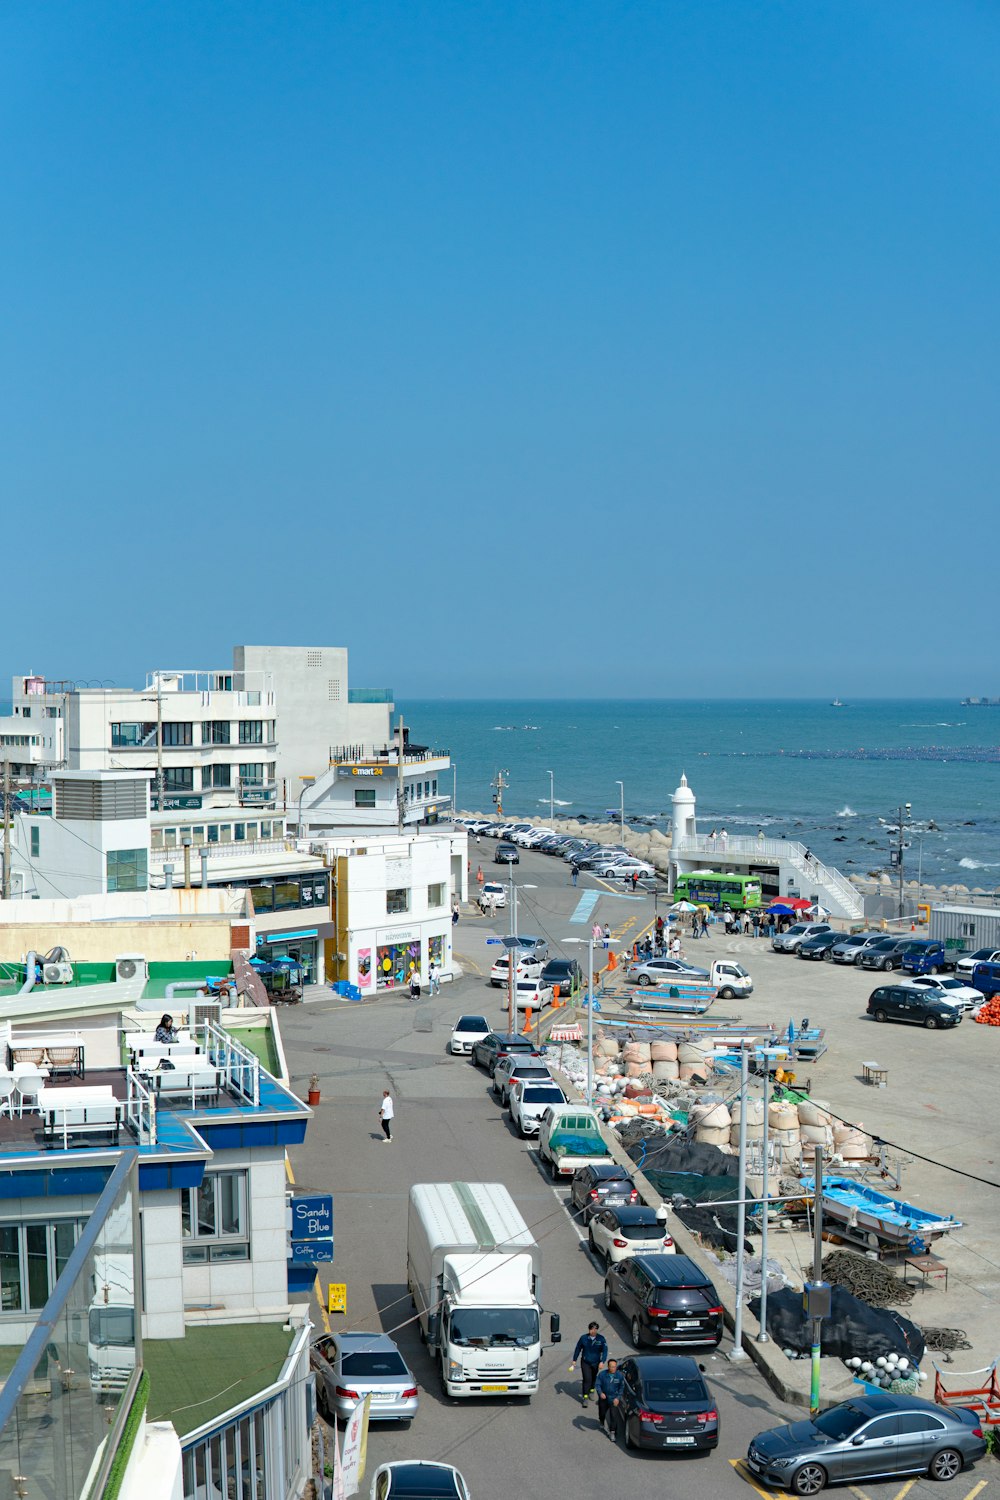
852	1327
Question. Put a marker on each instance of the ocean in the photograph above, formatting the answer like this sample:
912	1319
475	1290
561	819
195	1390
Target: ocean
820	774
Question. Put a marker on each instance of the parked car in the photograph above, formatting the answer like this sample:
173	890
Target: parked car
492	894
488	1051
851	947
665	1404
921	956
662	971
528	1099
897	1002
525	967
952	990
533	947
517	1067
531	994
868	1437
614	1233
600	1186
886	954
506	854
351	1366
417	1479
986	978
468	1030
624	869
564	972
968	961
819	945
789	940
665	1299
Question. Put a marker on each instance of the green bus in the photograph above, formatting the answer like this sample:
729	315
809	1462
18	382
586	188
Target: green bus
707	888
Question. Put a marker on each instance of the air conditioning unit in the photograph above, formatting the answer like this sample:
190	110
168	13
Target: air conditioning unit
201	1011
131	966
57	973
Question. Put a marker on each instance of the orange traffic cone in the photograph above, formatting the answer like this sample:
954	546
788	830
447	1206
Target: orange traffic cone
479	875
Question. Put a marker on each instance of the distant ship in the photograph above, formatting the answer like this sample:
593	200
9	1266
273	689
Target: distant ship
981	702
836	703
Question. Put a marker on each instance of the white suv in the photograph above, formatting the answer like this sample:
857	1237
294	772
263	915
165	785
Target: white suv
525	968
528	1100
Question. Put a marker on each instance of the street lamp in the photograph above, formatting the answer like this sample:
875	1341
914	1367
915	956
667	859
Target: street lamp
306	781
621	787
590	1008
511	945
552	801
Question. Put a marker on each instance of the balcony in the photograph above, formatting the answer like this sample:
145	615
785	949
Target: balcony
370	695
383	755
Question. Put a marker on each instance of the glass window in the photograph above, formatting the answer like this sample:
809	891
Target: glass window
263	897
239	832
251	831
10	1269
252	772
215	732
216	775
251	731
127	869
214	1217
128	736
265	830
397	901
435	894
178	778
178	734
225	833
198	834
213	833
156	838
919	1421
286	894
170	838
364	796
36	842
883	1427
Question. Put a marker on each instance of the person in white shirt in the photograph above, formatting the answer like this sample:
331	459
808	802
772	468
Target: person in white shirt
385	1114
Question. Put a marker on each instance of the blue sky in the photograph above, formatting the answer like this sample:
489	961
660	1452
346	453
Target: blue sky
524	348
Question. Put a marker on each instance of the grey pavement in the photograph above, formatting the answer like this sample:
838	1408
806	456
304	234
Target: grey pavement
447	1126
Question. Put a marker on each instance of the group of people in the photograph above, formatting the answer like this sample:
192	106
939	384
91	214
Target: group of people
661	943
433	980
600	1375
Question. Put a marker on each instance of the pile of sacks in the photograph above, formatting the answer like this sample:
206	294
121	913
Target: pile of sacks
796	1129
664	1062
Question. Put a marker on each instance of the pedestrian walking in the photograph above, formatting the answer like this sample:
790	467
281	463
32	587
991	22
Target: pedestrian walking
414	984
609	1393
756	924
635	879
591	1351
607	936
597	932
434	977
454	916
576	874
385	1114
675	947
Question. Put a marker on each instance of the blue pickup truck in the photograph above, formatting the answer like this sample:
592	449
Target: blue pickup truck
925	957
986	979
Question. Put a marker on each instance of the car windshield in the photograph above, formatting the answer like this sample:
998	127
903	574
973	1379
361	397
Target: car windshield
839	1422
798	927
916	947
371	1366
673	1390
489	1327
472	1023
543	1096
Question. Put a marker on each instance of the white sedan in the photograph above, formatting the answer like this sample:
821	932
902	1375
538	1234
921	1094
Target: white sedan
418	1479
951	991
624	869
467	1031
616	1233
492	894
526	968
532	994
528	1102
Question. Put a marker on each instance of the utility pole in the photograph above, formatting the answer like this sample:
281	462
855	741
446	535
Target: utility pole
738	1352
816	1296
511	952
763	1336
159	741
501	785
6	828
400	788
902	819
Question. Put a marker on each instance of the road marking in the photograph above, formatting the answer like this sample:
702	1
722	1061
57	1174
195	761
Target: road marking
288	1170
974	1491
318	1294
740	1466
585	906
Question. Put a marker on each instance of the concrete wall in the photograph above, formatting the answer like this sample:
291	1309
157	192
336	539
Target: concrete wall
163	1279
72	855
160	942
363	921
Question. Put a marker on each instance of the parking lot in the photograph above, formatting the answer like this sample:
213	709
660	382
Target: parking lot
448	1127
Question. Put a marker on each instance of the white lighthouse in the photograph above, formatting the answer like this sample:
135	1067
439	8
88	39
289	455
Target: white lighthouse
683	824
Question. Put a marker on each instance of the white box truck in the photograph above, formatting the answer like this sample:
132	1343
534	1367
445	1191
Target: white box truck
473	1267
111	1323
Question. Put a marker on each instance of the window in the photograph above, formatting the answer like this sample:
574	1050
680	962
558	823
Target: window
239	832
251	731
156	838
213	833
178	734
251	830
128	736
31	1258
178	778
919	1421
214	1219
170	838
434	787
252	773
265	831
878	1431
364	796
127	869
216	776
215	732
286	894
397	901
263	897
36	842
435	894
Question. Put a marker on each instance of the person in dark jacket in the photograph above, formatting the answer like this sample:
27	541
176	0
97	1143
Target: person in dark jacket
609	1393
591	1350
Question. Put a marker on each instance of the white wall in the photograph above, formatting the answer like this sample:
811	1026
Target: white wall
262	1281
72	857
413	864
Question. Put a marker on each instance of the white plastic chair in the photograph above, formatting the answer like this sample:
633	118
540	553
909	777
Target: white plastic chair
28	1081
7	1087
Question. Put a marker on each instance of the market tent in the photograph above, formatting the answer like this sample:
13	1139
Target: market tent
789	904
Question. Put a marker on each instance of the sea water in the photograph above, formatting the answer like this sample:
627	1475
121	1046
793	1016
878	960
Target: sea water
749	767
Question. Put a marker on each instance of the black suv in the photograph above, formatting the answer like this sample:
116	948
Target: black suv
898	1002
564	972
886	954
601	1186
819	945
666	1299
506	854
487	1052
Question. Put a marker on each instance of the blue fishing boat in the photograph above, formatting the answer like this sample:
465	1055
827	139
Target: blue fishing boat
864	1210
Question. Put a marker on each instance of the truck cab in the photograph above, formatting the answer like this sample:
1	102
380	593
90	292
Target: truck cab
923	956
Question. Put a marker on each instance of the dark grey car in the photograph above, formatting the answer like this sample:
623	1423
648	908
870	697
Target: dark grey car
869	1437
886	954
849	949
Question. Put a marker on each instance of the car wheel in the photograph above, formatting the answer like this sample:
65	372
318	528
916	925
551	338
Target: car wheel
930	1024
727	994
809	1480
592	1243
880	1016
828	957
553	1171
609	1296
857	960
636	1333
886	965
946	1464
627	1434
644	979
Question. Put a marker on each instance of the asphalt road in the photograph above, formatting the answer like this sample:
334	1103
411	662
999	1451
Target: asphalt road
448	1127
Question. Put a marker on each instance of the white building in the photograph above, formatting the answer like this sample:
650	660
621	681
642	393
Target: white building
96	841
361	790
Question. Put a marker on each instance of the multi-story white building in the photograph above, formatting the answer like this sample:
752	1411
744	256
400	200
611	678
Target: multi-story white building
360	791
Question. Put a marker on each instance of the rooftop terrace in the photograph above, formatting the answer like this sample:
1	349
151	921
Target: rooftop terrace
195	1379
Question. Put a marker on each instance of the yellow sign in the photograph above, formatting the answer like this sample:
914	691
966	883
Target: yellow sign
336	1294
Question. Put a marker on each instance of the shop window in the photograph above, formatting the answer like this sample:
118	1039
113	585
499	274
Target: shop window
397	901
263	897
177	734
214	1219
215	732
395	962
286	894
127	869
435	894
364	796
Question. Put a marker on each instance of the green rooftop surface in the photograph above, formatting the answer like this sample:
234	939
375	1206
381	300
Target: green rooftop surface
195	1379
260	1041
